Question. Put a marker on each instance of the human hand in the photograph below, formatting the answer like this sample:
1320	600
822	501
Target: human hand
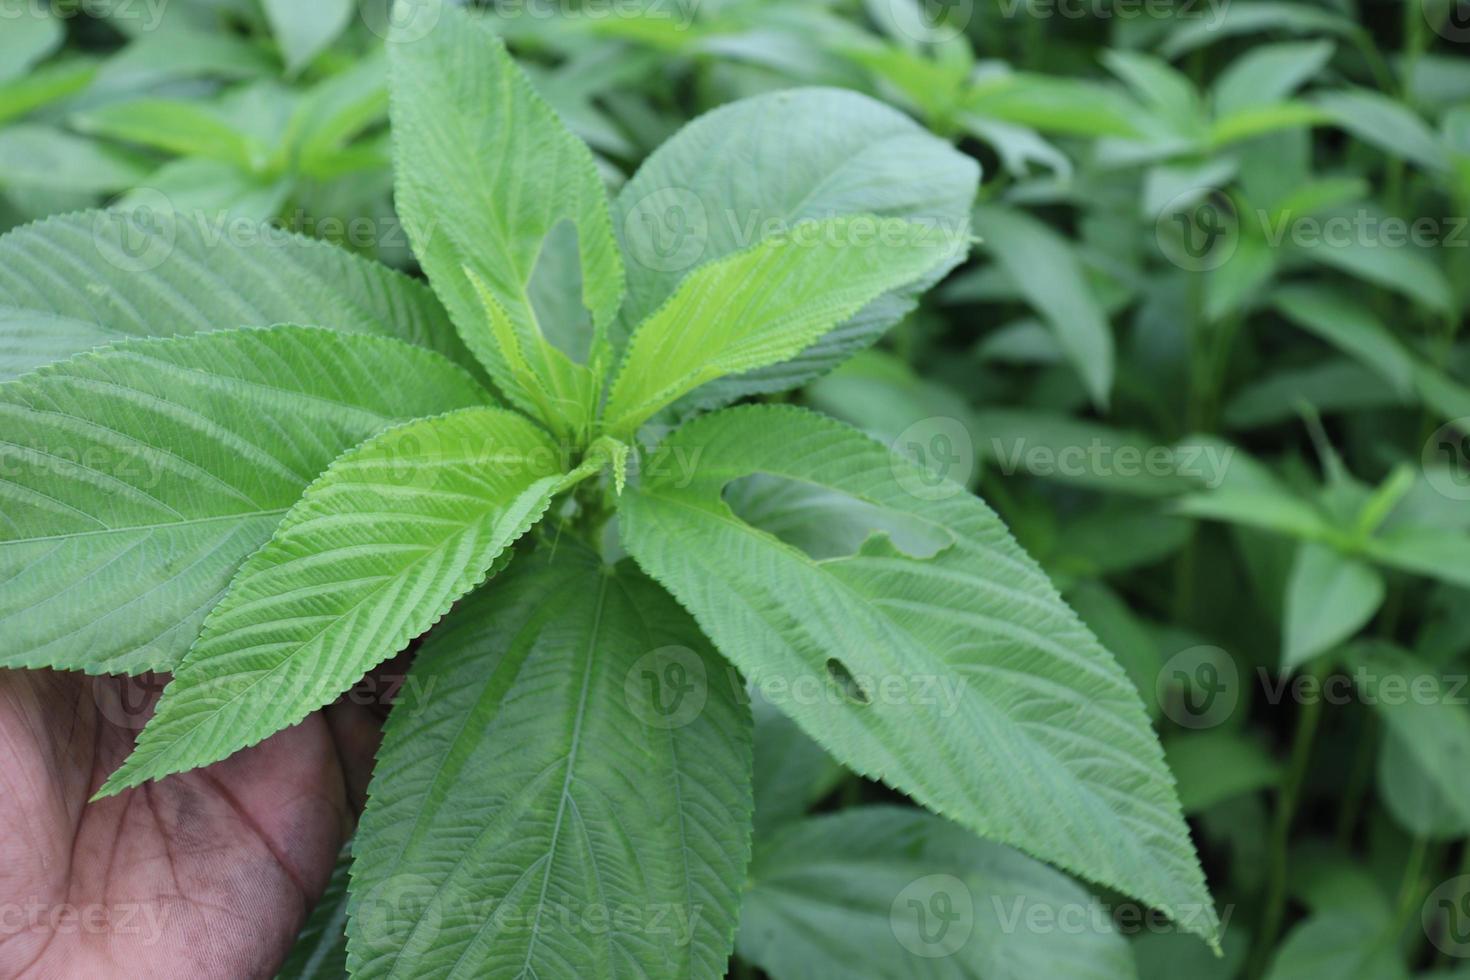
205	874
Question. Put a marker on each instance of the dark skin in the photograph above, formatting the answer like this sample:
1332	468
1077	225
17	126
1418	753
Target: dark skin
204	874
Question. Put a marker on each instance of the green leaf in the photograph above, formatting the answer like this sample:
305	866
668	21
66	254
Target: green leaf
1217	765
1160	87
1424	711
1431	552
1268	74
894	893
44	85
726	181
33	155
374	553
792	772
1249	493
31	34
1065	106
1256	121
1084	453
77	281
135	480
320	952
1044	266
175	126
196	185
486	171
1329	598
766	305
1386	123
1351	327
335	111
1404	268
304	30
1124	634
1415	796
1339	945
942	676
1245	17
1171	955
180	52
611	840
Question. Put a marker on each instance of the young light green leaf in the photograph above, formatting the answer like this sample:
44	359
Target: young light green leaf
943	676
78	281
374	553
627	794
136	479
766	305
304	30
44	85
1046	269
725	182
1329	598
894	893
486	171
178	126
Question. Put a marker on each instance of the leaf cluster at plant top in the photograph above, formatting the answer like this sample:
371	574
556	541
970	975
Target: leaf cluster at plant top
1205	363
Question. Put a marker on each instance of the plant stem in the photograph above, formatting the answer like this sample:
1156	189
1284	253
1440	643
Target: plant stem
1287	798
1409	886
1358	778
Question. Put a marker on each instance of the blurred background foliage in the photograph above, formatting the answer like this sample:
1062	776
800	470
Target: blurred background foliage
1206	359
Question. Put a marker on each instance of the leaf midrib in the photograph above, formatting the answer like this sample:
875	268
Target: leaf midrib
572	752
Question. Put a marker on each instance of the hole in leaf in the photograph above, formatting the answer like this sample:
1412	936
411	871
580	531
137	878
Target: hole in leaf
827	523
846	683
